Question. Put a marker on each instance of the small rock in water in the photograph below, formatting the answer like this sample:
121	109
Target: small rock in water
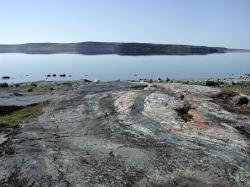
159	80
48	75
86	80
5	77
54	75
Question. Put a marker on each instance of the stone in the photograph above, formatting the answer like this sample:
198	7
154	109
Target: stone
86	80
5	77
212	83
17	94
240	100
3	139
62	75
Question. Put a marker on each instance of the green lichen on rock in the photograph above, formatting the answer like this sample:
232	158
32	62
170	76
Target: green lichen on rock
240	176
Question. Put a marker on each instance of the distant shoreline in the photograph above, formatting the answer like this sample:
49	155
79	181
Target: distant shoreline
123	49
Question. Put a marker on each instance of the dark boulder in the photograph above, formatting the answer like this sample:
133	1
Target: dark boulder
241	100
86	80
159	80
17	94
5	77
62	75
4	85
212	83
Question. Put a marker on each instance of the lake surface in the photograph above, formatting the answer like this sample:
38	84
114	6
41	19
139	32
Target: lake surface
23	67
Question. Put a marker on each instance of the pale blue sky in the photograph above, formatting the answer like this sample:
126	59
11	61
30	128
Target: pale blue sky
199	22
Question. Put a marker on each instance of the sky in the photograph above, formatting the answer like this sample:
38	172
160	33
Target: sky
224	23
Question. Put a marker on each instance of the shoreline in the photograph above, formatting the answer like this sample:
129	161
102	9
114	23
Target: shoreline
236	78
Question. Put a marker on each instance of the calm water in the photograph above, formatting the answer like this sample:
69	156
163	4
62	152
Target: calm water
22	67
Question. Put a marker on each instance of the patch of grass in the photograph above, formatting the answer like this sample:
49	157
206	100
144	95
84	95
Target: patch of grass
30	88
237	89
193	82
245	112
15	118
228	92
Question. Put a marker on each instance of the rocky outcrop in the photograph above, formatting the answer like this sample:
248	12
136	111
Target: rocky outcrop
124	134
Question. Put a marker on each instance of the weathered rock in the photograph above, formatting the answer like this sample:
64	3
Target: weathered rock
127	134
8	99
3	139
